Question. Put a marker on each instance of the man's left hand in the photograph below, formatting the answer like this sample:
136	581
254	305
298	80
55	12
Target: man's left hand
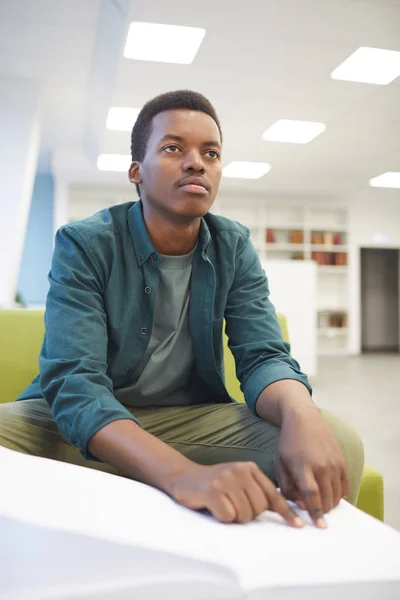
310	465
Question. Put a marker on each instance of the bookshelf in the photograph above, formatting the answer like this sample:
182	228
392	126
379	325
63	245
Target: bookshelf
306	231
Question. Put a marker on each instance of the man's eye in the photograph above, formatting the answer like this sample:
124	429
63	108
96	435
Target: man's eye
213	154
172	149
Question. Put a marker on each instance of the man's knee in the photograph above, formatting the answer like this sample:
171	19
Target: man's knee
352	448
24	425
27	426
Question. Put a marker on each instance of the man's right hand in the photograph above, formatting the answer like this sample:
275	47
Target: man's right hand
232	492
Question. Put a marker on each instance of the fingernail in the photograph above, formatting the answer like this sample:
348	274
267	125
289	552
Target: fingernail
321	523
298	522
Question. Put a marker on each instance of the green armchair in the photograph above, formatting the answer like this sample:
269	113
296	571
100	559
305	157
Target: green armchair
21	336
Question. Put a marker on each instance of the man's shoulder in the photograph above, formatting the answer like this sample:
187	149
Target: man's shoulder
103	223
218	224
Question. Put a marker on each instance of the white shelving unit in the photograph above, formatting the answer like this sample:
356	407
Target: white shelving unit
307	224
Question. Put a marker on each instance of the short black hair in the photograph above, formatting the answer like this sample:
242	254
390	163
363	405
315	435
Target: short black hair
178	99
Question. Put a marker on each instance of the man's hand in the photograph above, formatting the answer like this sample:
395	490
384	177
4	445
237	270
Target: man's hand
310	467
232	492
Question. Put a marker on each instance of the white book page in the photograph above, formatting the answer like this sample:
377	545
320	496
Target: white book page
265	553
39	563
76	499
52	498
354	548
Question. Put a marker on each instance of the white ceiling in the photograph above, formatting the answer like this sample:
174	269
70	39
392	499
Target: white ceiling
261	60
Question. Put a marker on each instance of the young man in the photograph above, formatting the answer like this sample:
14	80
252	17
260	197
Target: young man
132	367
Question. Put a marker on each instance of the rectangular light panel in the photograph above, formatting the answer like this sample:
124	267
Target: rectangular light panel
369	65
293	132
121	118
245	170
163	43
391	179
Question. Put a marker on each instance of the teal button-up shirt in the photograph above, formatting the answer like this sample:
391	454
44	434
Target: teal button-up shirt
99	317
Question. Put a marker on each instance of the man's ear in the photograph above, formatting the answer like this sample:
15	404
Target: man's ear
134	172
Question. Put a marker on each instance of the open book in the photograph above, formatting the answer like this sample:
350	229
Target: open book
71	533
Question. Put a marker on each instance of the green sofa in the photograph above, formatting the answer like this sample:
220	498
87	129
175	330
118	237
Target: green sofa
21	335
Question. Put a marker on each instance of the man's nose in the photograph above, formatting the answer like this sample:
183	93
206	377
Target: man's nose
193	161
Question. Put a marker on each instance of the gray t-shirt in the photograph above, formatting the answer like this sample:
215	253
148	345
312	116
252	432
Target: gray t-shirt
167	375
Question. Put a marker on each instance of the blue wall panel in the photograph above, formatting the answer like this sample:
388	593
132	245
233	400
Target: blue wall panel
38	246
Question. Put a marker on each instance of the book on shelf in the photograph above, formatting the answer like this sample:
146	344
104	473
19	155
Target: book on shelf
290	236
341	259
270	236
326	238
332	319
93	535
338	259
296	237
297	256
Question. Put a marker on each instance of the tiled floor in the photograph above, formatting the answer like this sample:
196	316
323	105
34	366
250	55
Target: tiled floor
365	391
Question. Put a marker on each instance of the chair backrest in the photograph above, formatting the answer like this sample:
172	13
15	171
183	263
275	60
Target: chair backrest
21	338
231	381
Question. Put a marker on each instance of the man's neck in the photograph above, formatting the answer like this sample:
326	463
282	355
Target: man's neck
171	239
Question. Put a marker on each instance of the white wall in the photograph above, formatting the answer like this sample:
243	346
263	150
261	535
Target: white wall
85	201
293	286
20	135
371	212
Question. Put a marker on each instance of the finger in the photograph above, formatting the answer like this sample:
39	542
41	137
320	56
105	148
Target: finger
286	482
309	491
337	489
324	482
288	486
256	496
221	507
243	508
276	501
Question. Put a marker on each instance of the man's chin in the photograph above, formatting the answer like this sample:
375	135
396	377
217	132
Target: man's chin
193	206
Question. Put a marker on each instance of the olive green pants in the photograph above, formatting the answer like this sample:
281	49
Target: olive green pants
206	433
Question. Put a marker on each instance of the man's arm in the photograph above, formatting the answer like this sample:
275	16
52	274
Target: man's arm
282	398
310	464
73	359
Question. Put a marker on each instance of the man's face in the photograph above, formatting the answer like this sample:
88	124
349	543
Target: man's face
181	170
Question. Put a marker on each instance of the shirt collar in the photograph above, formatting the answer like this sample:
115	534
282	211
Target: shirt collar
143	247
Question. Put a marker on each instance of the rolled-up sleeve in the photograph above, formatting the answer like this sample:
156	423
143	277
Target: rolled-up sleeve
254	333
73	359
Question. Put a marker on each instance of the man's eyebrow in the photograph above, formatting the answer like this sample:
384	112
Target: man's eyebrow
212	143
178	138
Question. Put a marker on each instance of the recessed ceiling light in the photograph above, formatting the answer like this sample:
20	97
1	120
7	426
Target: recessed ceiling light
391	179
293	132
245	170
114	162
163	43
369	65
121	118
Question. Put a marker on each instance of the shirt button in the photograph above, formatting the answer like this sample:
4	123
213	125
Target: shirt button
141	257
143	331
154	257
147	290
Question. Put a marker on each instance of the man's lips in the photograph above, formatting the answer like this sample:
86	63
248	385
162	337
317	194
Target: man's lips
195	185
193	188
